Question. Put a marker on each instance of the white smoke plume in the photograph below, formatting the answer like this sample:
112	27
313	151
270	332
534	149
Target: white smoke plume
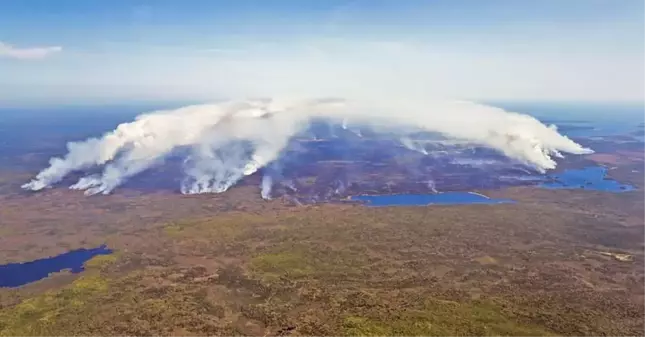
412	145
230	140
290	185
432	186
266	185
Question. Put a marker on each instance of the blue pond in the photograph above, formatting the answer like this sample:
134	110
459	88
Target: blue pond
17	274
589	178
446	198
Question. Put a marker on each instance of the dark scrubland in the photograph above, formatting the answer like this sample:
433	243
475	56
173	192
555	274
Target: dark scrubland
558	262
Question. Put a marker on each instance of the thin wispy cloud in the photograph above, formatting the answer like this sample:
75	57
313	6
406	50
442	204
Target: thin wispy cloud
27	53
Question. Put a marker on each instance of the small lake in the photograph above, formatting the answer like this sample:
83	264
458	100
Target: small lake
589	178
446	198
18	274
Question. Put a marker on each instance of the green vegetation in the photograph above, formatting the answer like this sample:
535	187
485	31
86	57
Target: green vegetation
101	261
225	227
298	261
6	231
434	324
56	311
486	260
98	305
291	264
442	318
173	230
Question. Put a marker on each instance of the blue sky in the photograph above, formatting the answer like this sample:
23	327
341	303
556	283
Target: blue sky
67	51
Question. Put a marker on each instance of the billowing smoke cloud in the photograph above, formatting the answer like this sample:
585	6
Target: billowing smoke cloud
230	140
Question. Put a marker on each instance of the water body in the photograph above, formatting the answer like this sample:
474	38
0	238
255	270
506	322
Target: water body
582	120
18	274
446	198
589	178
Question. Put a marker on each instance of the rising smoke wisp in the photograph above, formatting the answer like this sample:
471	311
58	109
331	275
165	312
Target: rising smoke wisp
230	140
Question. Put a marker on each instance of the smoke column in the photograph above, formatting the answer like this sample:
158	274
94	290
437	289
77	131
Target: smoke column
265	185
230	140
